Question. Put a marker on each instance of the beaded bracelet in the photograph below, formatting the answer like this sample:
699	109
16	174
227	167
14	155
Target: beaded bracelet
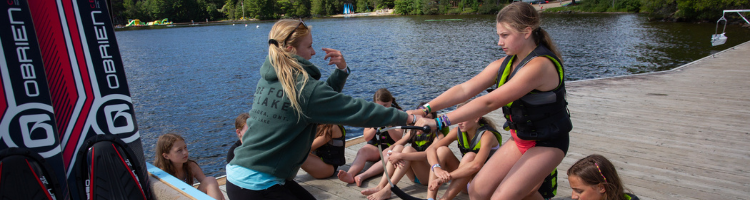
438	123
445	120
424	110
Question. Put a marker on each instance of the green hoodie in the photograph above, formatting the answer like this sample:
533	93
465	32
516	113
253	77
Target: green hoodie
277	142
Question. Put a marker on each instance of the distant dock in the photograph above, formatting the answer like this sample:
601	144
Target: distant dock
677	134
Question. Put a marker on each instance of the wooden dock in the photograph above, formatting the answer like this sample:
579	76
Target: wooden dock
678	134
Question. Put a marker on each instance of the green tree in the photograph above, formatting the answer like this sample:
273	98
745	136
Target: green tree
363	6
317	8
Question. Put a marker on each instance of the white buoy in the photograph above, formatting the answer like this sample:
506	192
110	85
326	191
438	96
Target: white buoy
232	24
245	25
257	26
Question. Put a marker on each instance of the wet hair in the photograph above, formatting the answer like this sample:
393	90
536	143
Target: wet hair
520	15
286	66
383	95
325	129
240	121
482	120
164	145
590	174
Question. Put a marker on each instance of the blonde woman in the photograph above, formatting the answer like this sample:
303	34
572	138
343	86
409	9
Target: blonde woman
289	102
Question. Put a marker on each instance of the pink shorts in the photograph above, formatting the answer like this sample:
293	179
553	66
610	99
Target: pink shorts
523	145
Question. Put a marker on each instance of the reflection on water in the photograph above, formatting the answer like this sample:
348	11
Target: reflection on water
194	81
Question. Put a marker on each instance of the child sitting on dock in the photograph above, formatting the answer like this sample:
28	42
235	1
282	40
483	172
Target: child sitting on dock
407	160
239	128
477	140
172	157
595	178
370	152
327	151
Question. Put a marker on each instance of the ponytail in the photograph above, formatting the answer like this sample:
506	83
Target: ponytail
487	122
542	37
520	15
286	66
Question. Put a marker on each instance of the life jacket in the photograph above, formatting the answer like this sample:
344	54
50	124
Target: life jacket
631	197
548	189
537	115
333	151
385	140
465	145
421	142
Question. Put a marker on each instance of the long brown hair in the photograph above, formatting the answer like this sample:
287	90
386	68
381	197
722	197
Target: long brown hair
593	170
383	95
520	15
325	129
286	66
163	145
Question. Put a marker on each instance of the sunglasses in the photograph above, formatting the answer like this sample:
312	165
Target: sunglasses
301	23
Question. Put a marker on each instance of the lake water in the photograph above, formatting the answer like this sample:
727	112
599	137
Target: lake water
195	80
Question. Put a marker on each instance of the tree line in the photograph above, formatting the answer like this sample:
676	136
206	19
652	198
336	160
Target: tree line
213	10
671	10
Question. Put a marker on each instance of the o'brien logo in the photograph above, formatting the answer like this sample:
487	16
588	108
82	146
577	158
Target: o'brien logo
115	115
112	109
31	128
28	120
104	47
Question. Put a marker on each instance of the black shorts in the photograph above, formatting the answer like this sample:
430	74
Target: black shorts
561	143
290	190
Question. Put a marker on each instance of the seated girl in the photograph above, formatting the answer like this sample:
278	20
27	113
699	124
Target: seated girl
407	160
172	157
477	140
327	151
595	178
370	152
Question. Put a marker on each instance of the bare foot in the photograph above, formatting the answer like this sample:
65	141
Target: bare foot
358	179
380	195
345	176
371	190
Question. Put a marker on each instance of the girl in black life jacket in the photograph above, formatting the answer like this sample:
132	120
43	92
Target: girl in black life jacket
327	151
477	140
370	152
531	92
406	160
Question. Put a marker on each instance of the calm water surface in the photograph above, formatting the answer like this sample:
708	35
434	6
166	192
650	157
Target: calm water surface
195	80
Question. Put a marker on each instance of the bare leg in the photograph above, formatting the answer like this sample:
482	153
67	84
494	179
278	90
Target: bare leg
419	168
384	178
314	166
494	171
366	153
375	169
459	184
528	173
448	162
211	188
